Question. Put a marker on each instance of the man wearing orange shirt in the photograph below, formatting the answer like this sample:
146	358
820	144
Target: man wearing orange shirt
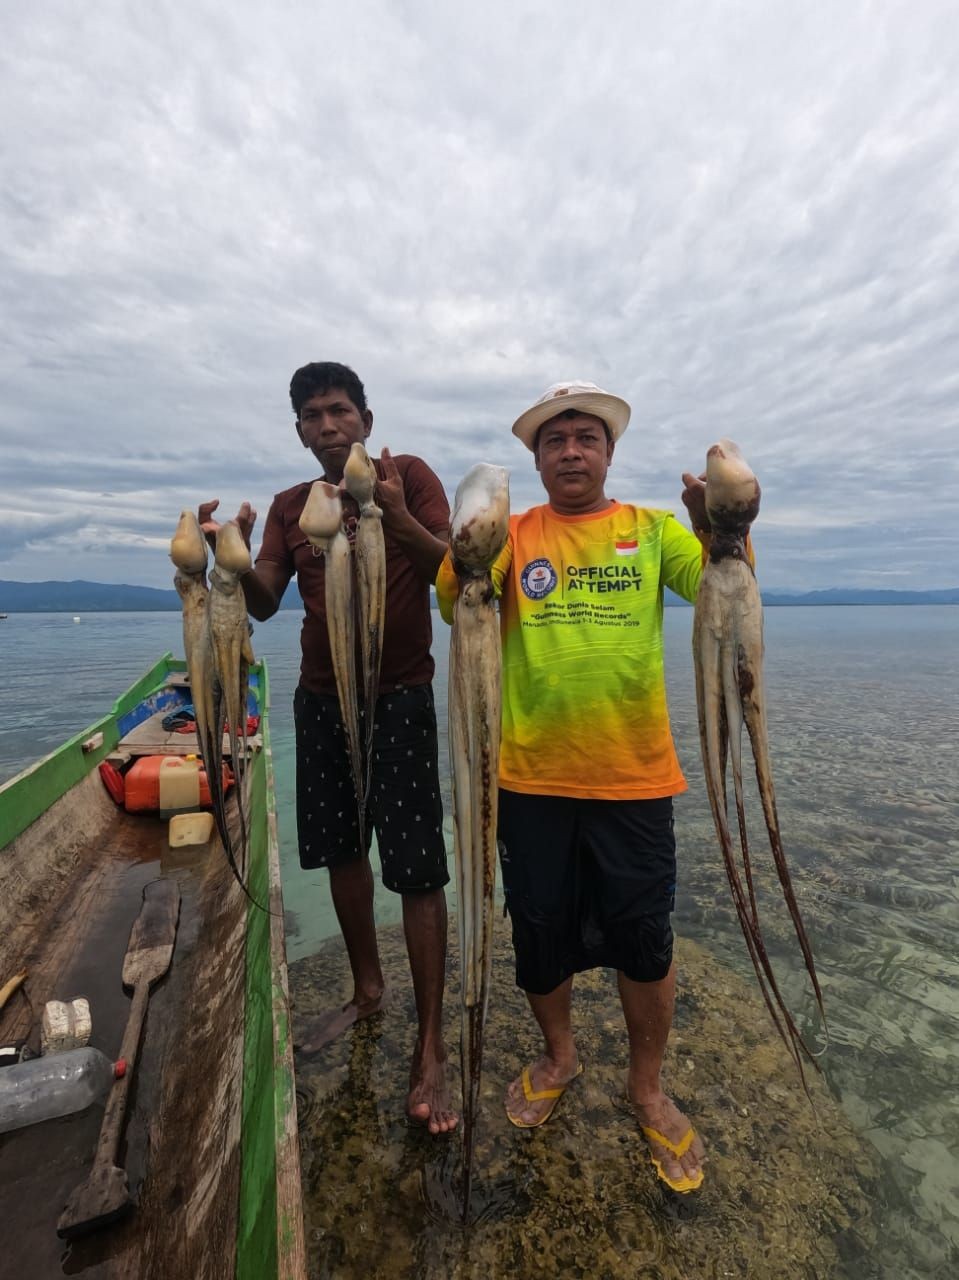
587	767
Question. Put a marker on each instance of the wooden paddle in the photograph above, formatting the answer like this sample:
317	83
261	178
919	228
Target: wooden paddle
105	1196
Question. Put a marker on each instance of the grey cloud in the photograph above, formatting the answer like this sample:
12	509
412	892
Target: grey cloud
748	227
17	536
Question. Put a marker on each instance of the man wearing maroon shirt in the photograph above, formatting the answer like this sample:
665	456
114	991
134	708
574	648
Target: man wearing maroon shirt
405	805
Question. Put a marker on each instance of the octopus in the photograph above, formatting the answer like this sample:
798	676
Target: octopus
216	642
322	522
359	476
728	661
478	531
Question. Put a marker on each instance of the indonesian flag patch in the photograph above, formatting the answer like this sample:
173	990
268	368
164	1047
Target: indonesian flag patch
628	547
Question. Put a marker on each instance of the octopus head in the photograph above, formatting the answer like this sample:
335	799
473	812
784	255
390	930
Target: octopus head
359	475
232	553
322	516
480	519
188	546
732	491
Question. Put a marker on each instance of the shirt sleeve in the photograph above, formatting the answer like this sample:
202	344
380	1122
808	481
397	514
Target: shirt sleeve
426	498
684	556
499	570
274	545
447	588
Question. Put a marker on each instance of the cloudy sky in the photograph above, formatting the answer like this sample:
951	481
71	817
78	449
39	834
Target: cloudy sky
743	217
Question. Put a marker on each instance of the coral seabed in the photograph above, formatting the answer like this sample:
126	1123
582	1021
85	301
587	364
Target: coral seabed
789	1189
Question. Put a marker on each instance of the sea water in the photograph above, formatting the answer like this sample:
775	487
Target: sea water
863	726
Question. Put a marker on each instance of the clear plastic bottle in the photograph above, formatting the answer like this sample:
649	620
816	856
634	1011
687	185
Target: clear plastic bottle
55	1085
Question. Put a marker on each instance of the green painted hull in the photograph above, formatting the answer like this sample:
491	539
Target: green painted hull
31	793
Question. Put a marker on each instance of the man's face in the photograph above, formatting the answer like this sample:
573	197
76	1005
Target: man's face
572	458
329	424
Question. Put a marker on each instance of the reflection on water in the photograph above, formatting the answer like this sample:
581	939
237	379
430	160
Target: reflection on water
863	726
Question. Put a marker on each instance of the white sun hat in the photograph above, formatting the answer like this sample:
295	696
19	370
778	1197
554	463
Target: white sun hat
586	397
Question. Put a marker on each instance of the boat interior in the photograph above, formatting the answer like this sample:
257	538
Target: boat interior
71	888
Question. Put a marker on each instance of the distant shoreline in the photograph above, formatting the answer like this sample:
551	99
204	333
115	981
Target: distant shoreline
683	604
81	597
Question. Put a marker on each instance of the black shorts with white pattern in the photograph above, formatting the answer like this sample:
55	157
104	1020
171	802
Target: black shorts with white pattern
588	884
405	806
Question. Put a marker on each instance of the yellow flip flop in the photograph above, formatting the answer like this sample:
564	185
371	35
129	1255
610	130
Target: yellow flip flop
539	1095
678	1149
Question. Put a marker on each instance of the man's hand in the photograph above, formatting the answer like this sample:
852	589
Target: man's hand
694	500
244	519
389	491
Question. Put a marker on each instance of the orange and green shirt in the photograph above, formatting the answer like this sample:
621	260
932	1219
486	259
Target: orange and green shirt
581	618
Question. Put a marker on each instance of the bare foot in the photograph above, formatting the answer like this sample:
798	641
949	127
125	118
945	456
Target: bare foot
319	1031
544	1077
428	1103
679	1167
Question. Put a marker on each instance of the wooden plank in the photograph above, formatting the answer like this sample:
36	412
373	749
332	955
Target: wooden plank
149	738
105	1196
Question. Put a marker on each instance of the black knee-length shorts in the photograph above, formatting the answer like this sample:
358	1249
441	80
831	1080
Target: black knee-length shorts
405	806
589	884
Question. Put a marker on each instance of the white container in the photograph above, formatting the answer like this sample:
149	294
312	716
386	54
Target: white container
57	1085
190	828
66	1024
179	783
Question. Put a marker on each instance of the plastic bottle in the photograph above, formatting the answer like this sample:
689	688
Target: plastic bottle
55	1085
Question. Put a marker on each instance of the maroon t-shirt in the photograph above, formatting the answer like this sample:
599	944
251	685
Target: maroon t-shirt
408	630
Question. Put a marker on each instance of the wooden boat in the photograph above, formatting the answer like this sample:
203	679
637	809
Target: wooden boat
211	1136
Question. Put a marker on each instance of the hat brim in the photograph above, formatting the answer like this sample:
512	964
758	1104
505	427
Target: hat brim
613	411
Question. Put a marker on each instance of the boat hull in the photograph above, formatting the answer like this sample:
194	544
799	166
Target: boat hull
211	1136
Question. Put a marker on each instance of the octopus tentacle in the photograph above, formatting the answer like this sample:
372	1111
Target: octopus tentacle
322	522
370	550
188	552
728	658
756	727
218	678
478	530
232	655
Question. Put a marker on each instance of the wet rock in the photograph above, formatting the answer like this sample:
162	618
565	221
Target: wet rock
787	1188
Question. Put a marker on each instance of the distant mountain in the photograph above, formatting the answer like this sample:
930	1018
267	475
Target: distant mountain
104	597
98	597
845	595
80	597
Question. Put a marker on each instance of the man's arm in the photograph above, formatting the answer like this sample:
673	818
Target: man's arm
694	500
421	546
263	588
265	583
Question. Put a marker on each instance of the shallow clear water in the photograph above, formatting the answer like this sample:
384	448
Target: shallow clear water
864	721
